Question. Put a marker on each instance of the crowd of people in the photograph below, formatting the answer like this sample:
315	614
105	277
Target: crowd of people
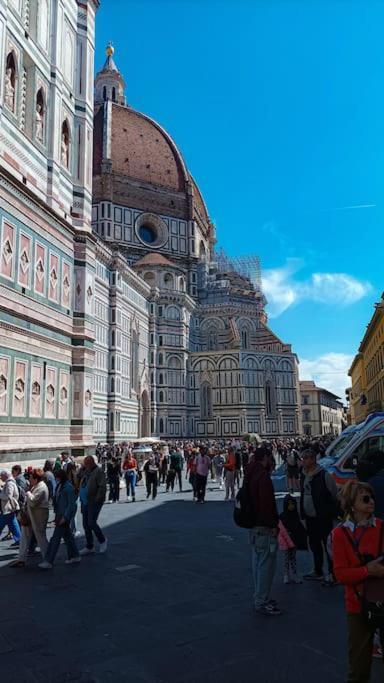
341	529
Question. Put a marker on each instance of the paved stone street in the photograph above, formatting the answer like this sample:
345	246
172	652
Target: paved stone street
169	602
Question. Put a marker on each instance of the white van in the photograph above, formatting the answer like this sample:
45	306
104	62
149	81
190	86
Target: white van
359	440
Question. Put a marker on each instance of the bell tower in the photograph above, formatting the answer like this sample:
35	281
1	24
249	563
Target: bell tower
109	83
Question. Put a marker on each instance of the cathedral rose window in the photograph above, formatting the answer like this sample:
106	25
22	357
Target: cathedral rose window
147	234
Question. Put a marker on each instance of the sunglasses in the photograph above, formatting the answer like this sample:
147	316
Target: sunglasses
367	499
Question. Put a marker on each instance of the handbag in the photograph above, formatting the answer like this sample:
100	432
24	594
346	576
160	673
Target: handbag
372	596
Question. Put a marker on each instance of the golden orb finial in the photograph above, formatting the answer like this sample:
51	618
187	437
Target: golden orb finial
110	50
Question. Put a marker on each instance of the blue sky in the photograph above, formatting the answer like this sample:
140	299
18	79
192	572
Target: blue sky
278	109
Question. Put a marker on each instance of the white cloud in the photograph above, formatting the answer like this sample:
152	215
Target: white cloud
329	371
283	290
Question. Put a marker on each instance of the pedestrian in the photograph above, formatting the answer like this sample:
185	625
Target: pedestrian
64	505
229	474
151	469
163	468
292	465
191	474
9	498
73	478
292	537
263	535
318	509
203	464
357	545
218	466
92	492
170	480
130	475
50	478
33	518
176	463
113	476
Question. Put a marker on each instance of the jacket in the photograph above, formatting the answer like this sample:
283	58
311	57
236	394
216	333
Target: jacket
347	566
323	492
9	497
64	502
96	484
38	496
262	495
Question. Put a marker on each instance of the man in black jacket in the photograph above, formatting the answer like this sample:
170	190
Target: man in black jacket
263	536
318	508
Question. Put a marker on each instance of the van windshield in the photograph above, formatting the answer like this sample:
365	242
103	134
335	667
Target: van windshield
340	445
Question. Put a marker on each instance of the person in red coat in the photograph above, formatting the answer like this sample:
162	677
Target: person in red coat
356	548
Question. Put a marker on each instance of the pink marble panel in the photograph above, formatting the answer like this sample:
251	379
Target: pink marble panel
25	260
53	277
7	258
35	409
50	393
4	385
40	268
64	395
66	285
19	390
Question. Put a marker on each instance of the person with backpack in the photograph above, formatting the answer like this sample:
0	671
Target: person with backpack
358	550
203	464
261	504
292	465
318	509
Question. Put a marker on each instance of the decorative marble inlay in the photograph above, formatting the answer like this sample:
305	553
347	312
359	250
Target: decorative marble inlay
7	251
40	269
24	261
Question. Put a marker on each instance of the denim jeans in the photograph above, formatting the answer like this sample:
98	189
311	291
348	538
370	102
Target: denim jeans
264	556
130	482
90	514
61	531
10	520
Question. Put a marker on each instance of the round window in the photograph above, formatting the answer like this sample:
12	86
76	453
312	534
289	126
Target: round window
147	234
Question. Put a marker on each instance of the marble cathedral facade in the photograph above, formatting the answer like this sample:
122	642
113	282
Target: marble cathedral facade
115	320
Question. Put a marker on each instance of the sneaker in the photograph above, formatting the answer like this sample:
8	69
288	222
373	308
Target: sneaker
269	610
77	534
73	560
286	579
329	581
297	579
45	565
87	551
103	547
15	544
313	576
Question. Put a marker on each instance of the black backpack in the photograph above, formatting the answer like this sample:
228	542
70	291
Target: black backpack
244	513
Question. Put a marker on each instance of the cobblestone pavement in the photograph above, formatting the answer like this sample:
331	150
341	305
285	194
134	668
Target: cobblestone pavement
170	602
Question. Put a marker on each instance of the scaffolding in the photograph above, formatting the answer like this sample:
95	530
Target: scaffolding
246	266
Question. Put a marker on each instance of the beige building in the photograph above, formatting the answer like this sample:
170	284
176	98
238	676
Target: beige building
321	410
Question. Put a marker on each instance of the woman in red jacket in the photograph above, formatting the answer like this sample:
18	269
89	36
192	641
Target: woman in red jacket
356	546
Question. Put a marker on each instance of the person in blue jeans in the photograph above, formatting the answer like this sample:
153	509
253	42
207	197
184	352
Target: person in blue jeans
263	535
64	505
9	499
92	492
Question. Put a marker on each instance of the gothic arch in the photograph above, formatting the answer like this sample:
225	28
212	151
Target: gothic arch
206	405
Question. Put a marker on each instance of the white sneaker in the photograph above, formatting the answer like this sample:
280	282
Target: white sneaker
87	551
103	547
286	579
73	560
77	534
45	565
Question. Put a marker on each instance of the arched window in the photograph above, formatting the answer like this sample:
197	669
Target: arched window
212	340
113	94
161	425
112	385
168	281
182	284
40	116
149	279
161	378
134	360
161	396
173	313
270	399
206	401
244	339
104	93
65	144
10	82
160	359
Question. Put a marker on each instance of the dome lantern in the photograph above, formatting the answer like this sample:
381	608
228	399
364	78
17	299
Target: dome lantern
109	83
